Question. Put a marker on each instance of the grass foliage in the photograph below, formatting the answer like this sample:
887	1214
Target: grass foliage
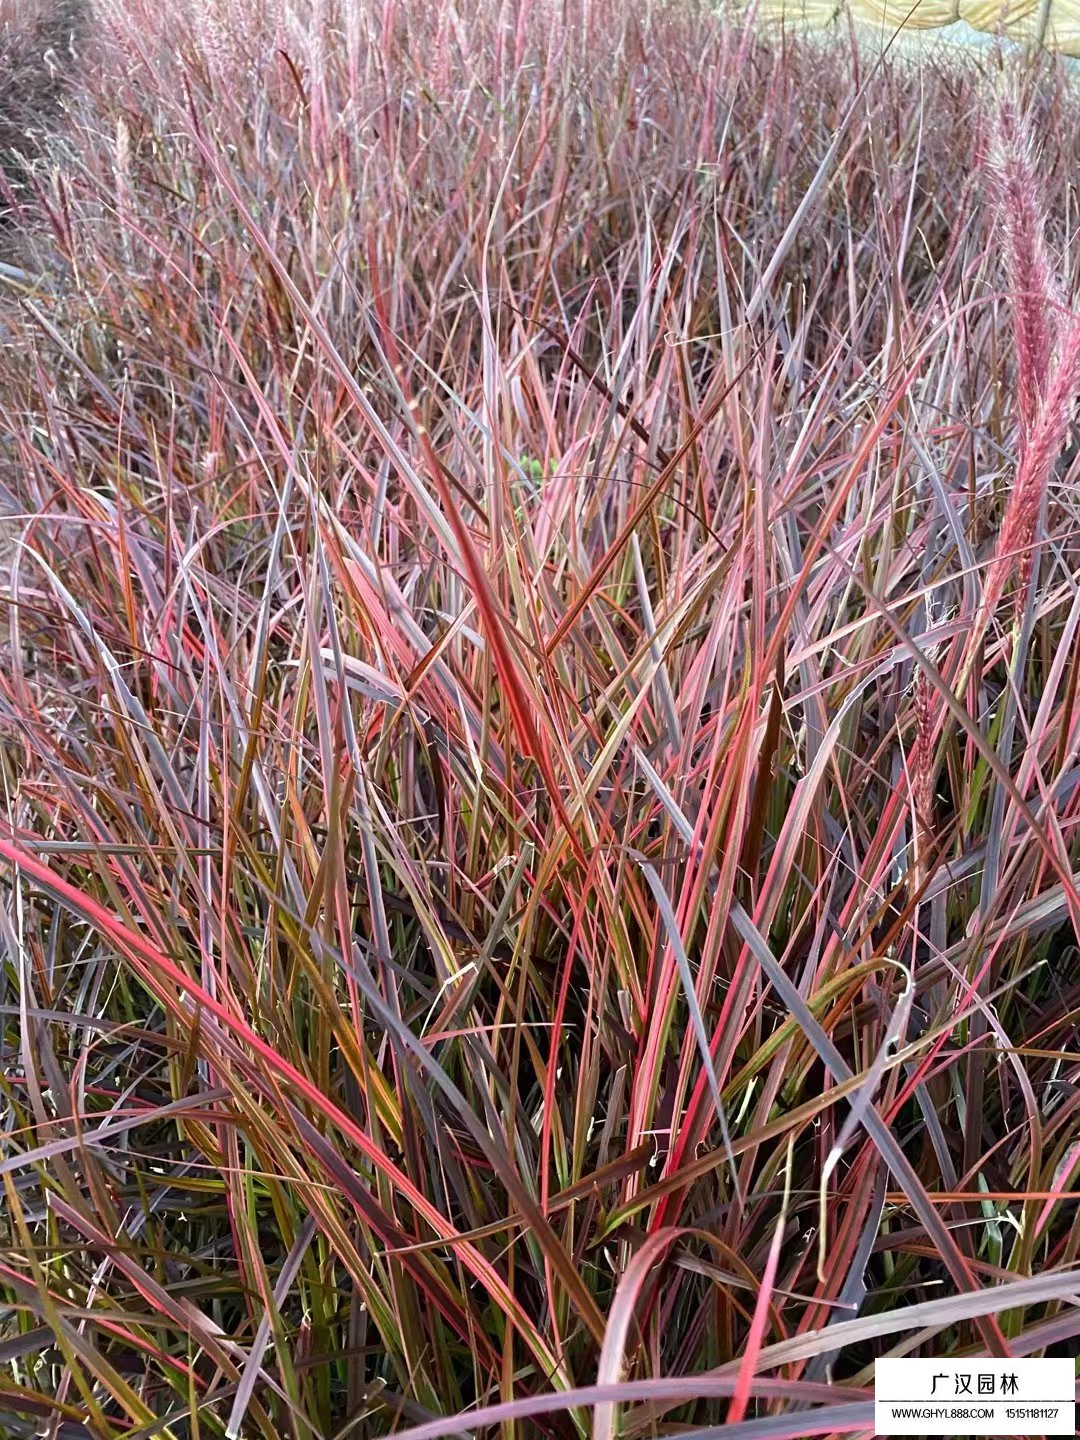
539	726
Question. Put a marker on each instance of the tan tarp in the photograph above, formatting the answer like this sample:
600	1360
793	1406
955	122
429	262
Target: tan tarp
926	15
1062	30
1056	24
817	14
988	14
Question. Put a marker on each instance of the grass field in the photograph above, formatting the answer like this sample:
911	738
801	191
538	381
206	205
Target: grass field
539	721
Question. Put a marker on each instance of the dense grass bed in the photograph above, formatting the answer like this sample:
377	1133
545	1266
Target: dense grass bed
539	724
